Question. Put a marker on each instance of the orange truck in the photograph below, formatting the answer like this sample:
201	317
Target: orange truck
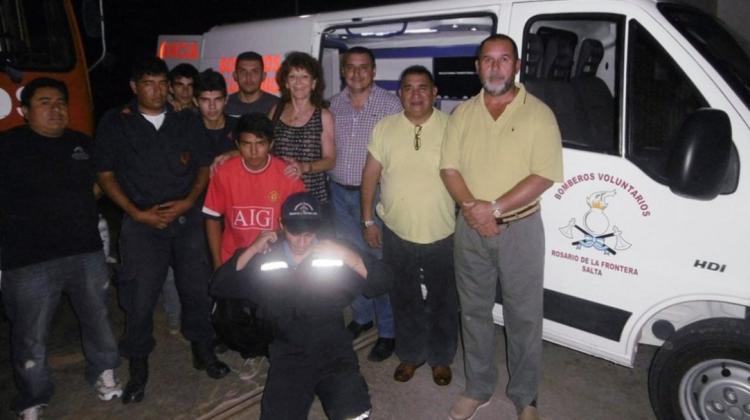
40	38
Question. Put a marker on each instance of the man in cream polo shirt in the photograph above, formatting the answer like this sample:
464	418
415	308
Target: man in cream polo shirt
419	217
501	151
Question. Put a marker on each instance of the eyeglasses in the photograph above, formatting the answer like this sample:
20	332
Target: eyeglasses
417	137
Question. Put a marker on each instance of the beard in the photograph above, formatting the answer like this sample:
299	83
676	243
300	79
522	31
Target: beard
497	89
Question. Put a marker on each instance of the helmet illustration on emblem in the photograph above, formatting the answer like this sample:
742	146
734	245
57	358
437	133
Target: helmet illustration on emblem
596	227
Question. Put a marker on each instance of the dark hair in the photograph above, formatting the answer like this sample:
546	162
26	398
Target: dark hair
357	50
42	82
499	37
152	66
416	69
209	80
304	61
249	56
255	123
183	70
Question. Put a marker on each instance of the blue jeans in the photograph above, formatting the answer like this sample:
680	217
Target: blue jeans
31	294
348	228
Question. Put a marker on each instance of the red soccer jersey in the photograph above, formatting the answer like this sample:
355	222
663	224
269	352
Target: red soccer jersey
249	201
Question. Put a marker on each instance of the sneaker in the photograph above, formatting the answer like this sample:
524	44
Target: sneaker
252	367
107	386
464	408
529	413
31	413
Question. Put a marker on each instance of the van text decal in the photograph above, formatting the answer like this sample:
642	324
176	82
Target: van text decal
593	265
616	181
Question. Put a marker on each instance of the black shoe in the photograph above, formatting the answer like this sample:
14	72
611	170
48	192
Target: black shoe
205	359
382	350
135	390
219	346
356	328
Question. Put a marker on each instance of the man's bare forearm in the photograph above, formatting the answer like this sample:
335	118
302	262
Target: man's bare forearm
111	187
525	192
456	186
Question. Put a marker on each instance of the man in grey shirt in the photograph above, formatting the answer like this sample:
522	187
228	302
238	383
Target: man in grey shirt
249	74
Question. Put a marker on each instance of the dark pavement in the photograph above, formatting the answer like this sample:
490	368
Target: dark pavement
575	386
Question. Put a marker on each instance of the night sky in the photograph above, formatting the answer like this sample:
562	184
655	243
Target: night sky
132	28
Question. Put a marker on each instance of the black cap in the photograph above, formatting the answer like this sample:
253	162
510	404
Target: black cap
301	213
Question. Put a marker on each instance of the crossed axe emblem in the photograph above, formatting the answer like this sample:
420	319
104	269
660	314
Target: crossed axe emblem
597	242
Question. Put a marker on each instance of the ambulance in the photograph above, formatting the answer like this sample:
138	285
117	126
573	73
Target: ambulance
645	235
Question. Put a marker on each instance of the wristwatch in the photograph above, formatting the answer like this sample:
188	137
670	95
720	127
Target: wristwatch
367	223
496	212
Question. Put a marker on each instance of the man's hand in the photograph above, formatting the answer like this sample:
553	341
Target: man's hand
373	236
221	159
261	245
174	209
478	215
293	168
151	217
263	242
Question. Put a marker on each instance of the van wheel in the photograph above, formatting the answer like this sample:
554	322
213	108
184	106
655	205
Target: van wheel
702	372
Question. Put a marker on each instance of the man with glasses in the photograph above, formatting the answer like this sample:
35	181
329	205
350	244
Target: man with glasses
417	236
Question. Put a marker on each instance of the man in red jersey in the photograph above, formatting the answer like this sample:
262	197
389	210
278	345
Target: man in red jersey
247	191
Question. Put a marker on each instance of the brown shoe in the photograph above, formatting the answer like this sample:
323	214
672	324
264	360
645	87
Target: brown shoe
442	374
529	413
405	371
464	408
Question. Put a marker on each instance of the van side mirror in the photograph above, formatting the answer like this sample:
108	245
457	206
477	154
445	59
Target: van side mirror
700	155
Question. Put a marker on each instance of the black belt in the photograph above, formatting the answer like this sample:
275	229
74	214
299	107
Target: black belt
348	187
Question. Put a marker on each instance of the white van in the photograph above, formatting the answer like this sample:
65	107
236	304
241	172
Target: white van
644	236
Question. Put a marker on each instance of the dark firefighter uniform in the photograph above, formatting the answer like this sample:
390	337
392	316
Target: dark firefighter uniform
311	352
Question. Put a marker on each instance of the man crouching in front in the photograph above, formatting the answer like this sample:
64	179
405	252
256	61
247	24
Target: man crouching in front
300	285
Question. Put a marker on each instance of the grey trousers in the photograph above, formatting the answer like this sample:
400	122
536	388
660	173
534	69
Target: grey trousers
516	258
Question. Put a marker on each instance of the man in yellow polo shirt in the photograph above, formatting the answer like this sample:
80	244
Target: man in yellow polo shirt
419	217
501	151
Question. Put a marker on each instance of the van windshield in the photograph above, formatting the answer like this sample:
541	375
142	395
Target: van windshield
715	43
35	35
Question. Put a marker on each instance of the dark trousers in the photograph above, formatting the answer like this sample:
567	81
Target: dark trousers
31	295
294	380
426	328
146	255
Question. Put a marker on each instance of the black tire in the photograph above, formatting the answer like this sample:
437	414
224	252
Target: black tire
702	372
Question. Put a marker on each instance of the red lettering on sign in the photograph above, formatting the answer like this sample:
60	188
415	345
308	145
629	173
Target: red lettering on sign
181	50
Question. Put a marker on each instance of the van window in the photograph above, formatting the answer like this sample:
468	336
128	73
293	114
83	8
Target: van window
35	35
572	63
660	97
715	43
445	45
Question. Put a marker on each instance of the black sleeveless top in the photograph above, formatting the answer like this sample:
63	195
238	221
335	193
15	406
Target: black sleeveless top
303	144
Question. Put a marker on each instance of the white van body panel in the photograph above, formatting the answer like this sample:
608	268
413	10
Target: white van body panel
661	239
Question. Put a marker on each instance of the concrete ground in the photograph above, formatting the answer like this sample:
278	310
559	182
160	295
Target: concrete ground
575	386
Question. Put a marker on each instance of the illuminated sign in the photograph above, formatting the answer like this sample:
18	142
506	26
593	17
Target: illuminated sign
181	50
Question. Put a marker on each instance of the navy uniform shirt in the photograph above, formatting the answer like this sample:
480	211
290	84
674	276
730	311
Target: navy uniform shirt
222	139
303	303
152	166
